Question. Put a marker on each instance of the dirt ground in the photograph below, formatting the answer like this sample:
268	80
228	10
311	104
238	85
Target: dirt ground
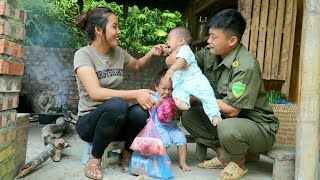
70	167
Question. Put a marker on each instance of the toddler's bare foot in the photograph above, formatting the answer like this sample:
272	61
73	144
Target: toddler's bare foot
181	105
185	167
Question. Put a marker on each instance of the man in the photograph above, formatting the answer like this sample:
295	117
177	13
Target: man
249	125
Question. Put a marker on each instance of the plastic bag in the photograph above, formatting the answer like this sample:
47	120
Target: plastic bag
166	112
148	141
153	166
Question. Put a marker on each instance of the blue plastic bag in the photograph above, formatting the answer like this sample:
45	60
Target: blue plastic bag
150	165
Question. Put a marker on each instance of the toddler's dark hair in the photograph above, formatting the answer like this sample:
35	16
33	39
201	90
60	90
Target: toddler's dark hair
183	32
159	75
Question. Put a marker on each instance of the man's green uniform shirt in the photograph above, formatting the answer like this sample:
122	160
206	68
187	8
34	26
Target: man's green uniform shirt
238	81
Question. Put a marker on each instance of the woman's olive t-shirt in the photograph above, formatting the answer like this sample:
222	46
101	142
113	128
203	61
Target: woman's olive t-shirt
109	70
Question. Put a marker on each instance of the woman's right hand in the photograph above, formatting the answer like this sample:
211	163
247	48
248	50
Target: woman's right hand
144	98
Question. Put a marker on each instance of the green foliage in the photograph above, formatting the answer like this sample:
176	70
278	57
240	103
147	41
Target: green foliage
52	23
274	96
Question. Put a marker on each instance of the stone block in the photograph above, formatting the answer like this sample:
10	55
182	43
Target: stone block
284	162
6	169
21	140
7	153
7	129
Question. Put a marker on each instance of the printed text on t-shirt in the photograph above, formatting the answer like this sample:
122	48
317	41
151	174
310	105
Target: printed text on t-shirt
109	73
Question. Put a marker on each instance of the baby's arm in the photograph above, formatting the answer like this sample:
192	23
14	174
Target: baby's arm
160	100
179	64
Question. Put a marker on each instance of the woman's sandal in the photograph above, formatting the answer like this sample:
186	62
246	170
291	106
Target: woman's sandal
124	163
214	163
92	166
234	170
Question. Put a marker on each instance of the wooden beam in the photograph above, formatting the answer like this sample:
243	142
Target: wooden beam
270	39
255	27
308	116
295	69
287	64
204	5
262	32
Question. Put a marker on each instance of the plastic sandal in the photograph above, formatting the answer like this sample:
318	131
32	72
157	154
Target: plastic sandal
234	170
211	164
92	166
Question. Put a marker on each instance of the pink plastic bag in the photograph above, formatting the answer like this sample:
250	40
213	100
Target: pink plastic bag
166	112
148	141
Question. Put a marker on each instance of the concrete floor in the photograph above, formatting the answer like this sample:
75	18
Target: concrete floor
70	167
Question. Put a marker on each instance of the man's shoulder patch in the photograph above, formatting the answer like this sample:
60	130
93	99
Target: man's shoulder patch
235	63
238	89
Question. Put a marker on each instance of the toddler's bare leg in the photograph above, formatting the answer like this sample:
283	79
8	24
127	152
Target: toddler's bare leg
180	104
182	150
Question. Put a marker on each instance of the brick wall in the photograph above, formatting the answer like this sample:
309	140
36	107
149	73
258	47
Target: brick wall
52	69
12	21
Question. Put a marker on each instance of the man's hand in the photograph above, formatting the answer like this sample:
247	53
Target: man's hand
171	59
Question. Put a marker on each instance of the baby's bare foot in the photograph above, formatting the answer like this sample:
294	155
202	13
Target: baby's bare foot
181	105
185	167
216	120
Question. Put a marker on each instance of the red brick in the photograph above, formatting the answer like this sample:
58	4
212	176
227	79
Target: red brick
17	14
10	48
3	8
5	27
21	51
22	34
3	120
10	10
11	2
25	15
15	30
11	68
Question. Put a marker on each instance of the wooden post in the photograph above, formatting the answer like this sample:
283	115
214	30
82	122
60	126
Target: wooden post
307	133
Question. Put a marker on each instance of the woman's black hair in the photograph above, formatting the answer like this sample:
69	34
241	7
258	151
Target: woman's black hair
97	17
159	75
230	21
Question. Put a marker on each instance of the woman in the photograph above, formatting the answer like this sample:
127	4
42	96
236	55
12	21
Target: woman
104	113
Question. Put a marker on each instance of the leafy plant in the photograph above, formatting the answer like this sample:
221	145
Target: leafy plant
52	23
277	97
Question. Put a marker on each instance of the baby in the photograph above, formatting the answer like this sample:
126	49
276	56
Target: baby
187	77
165	119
